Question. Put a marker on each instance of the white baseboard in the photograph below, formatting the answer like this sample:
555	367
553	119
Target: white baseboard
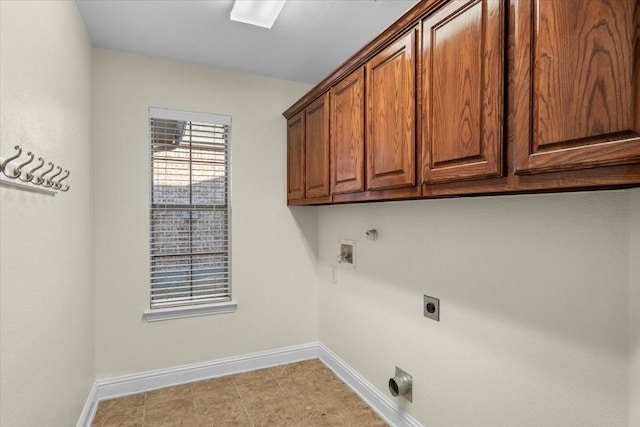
379	402
89	409
153	380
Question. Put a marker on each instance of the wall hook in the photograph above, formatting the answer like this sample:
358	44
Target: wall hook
50	182
3	168
19	168
15	176
31	175
41	180
58	184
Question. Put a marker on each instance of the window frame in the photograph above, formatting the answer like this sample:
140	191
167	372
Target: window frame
186	309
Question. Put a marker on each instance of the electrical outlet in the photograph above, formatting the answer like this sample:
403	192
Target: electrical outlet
334	275
431	308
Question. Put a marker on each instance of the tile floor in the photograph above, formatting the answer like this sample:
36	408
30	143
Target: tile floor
304	394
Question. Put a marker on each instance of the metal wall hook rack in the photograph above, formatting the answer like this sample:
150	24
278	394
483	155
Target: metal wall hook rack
17	173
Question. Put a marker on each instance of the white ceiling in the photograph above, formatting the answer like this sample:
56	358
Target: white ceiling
309	39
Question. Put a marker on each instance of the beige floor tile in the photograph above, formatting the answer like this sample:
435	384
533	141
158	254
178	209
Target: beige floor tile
352	401
260	391
169	412
169	393
363	417
298	370
194	422
127	423
292	383
217	401
314	364
321	407
321	369
306	391
123	402
327	420
119	417
302	394
333	384
109	408
253	376
227	413
275	412
212	384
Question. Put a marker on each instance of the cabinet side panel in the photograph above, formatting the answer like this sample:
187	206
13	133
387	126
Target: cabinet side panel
295	158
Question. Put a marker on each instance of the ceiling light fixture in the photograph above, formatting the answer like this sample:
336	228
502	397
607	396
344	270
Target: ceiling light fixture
262	13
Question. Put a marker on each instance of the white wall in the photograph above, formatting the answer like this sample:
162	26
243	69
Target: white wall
534	302
273	259
540	294
634	307
46	262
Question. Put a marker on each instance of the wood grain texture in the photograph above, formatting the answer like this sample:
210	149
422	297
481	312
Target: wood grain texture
358	59
602	178
347	134
295	158
576	84
408	193
463	64
573	100
390	117
317	177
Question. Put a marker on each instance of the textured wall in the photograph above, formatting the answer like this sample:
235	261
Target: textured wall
534	302
634	307
273	248
46	245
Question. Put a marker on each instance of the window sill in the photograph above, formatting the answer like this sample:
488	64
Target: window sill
189	311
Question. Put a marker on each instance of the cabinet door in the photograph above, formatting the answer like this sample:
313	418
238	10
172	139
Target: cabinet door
576	83
390	118
317	147
463	62
295	157
347	134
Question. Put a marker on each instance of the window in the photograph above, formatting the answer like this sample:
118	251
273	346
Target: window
189	214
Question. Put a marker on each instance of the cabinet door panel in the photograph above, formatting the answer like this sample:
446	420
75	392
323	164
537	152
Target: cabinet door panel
390	143
463	64
317	148
347	134
295	157
577	83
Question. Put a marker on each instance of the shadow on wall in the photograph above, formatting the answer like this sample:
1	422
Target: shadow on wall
306	218
539	261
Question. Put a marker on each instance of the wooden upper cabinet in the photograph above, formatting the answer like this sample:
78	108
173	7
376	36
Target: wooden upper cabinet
390	117
347	134
462	99
317	148
469	97
295	157
576	80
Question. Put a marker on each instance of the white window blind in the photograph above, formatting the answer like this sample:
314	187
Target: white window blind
190	254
